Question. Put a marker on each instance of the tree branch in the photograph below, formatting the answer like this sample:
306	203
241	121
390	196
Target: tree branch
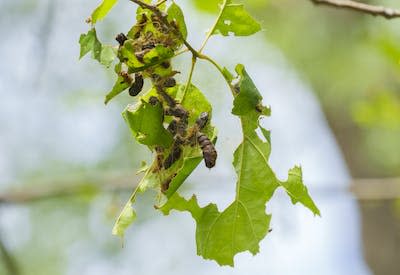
388	13
70	186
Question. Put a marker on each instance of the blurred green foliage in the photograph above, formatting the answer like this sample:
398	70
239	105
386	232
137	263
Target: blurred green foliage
349	59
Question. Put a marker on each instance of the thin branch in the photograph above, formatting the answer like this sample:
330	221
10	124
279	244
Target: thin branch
388	13
69	187
189	81
220	69
164	19
211	31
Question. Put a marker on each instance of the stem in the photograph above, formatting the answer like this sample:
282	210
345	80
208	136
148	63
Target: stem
388	13
220	69
166	23
158	62
195	54
224	4
194	60
160	3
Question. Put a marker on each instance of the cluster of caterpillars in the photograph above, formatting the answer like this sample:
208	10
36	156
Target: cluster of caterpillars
143	41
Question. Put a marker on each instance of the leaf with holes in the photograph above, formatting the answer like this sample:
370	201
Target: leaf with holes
244	223
145	121
234	19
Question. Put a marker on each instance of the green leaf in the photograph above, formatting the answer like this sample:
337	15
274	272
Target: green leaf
297	191
102	10
90	43
158	53
244	223
126	54
107	56
127	216
234	19
175	13
248	96
146	123
196	103
207	5
119	86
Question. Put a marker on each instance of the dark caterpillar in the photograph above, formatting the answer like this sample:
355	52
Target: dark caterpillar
209	152
173	156
137	86
121	38
202	120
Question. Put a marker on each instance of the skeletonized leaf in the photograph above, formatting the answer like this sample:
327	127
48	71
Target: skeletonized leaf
126	218
107	55
102	10
236	20
196	103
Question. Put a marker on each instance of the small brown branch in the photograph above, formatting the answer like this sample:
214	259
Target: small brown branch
376	189
70	187
388	13
164	19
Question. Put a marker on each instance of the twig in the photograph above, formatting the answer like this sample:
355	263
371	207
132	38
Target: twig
164	19
220	69
388	13
211	31
69	187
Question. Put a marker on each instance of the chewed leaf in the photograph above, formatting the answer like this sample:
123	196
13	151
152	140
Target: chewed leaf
244	223
102	53
107	55
158	53
120	85
175	13
249	97
127	54
236	20
90	43
298	191
128	215
126	218
146	123
102	10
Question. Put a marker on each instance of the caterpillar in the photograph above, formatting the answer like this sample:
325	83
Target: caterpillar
209	152
137	86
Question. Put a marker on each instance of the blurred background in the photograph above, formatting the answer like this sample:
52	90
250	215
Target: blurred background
67	162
